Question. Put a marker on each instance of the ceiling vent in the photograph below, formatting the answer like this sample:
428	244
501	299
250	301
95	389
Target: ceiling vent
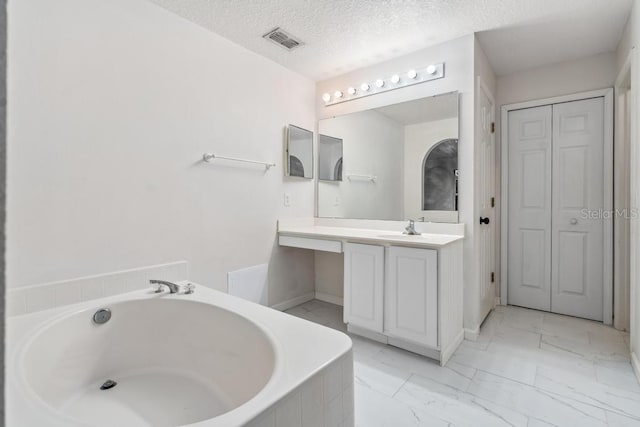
283	39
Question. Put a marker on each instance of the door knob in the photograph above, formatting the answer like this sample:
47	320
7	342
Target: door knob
573	221
484	220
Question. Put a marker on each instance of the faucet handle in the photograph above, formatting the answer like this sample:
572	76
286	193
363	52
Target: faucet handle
189	288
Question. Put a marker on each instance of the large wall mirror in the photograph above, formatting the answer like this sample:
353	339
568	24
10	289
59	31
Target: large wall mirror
299	152
329	158
397	162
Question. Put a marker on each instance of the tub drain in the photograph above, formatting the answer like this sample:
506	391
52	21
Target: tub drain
108	384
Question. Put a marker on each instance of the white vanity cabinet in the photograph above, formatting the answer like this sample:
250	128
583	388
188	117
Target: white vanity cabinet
405	296
411	295
363	286
406	291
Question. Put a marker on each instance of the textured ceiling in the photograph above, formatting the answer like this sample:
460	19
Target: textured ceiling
342	35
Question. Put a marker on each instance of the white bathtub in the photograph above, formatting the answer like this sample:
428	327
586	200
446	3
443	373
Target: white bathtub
206	359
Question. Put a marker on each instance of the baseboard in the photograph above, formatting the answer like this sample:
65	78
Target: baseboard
446	353
375	336
635	362
415	348
332	299
286	305
472	334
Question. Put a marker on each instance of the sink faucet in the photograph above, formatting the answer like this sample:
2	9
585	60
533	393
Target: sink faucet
173	288
410	229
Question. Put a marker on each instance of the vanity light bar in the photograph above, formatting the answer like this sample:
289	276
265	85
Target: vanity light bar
396	81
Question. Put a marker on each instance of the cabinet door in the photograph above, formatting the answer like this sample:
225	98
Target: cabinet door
411	295
363	285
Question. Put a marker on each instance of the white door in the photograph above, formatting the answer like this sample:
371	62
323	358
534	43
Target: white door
578	188
363	285
411	295
486	184
556	200
529	239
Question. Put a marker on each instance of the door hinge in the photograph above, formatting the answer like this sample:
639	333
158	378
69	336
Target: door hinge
493	202
493	127
493	277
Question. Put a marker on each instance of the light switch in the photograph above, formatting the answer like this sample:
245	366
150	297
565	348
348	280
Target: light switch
287	199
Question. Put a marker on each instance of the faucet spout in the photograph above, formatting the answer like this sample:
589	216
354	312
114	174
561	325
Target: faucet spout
411	229
173	288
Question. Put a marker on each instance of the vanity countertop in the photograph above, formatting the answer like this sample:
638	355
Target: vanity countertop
364	235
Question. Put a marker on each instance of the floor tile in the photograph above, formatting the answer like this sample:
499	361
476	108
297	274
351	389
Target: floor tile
594	352
619	375
617	420
589	391
386	379
373	409
527	368
533	402
506	363
454	405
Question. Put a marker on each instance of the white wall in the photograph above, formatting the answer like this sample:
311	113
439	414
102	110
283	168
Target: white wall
458	58
631	40
418	140
593	72
111	105
372	145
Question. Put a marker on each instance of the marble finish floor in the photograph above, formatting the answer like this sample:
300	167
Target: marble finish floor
528	368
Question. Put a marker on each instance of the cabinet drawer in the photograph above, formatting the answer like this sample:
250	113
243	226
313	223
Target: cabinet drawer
308	243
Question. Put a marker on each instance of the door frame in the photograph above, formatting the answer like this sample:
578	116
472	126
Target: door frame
607	94
621	304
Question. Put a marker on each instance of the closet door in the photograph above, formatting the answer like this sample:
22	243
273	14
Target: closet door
578	188
529	234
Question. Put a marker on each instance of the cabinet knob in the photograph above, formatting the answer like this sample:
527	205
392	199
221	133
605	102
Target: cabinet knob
573	221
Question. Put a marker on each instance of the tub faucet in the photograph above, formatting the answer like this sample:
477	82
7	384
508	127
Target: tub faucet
410	229
173	288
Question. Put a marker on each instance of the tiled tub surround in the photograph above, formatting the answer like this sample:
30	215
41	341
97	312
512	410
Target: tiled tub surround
29	299
58	357
527	369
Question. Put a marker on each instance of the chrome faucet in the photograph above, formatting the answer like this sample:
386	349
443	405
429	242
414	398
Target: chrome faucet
173	288
411	229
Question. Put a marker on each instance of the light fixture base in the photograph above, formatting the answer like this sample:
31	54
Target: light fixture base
426	74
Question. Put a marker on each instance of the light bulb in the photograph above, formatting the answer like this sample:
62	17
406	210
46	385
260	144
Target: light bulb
352	91
395	78
431	69
338	94
365	87
379	83
326	97
412	74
